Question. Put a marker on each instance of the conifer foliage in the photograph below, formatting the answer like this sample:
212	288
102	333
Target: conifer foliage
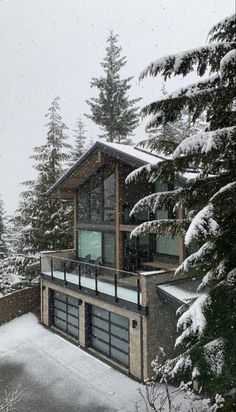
207	325
112	110
80	135
46	222
3	243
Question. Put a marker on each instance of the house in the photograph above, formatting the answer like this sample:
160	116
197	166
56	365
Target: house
113	295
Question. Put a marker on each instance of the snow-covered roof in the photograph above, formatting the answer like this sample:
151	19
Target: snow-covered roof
178	293
132	155
136	152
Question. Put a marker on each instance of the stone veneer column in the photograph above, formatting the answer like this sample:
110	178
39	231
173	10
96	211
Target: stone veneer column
135	342
82	325
45	305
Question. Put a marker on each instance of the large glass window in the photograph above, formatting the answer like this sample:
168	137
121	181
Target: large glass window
96	198
109	198
95	245
83	200
136	251
166	244
65	313
89	244
108	248
109	334
131	194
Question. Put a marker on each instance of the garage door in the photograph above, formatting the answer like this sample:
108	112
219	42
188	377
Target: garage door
109	334
65	313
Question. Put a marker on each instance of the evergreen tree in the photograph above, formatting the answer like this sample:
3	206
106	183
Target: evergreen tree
112	110
207	325
3	244
166	137
80	135
46	222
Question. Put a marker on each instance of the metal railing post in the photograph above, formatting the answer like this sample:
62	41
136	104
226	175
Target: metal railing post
64	267
80	277
51	268
138	294
96	281
115	283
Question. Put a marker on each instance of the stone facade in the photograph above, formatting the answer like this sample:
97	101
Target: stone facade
18	303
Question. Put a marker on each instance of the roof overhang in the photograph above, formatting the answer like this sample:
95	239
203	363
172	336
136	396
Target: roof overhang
99	154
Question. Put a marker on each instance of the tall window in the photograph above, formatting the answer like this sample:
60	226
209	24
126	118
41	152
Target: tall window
109	198
83	199
109	248
96	198
131	195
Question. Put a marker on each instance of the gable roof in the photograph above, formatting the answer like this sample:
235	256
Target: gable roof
129	154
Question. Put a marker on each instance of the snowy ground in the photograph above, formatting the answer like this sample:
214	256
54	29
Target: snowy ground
52	374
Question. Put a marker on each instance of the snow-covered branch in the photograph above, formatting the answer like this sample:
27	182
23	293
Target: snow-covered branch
204	142
202	225
183	62
193	321
161	227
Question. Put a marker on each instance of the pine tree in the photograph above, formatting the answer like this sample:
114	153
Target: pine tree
80	135
166	137
46	222
112	110
3	243
207	325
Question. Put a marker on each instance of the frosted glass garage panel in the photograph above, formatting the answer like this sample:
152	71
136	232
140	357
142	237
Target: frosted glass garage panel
89	244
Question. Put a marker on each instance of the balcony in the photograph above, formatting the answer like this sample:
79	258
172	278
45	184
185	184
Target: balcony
109	284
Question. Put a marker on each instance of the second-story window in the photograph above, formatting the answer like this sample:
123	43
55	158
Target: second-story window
83	201
96	198
109	197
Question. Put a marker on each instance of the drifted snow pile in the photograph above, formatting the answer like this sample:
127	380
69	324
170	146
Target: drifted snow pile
202	175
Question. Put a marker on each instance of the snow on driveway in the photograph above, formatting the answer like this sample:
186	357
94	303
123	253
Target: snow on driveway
54	375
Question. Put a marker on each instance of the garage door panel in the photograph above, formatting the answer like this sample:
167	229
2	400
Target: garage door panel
110	334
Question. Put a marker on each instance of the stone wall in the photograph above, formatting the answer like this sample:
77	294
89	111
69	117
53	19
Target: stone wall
18	303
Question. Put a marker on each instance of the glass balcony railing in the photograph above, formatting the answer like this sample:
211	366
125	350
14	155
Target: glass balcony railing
121	285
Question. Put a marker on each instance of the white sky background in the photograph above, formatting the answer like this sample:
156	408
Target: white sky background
52	48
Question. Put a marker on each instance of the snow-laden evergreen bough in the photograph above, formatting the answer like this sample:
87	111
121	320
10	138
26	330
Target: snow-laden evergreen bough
207	325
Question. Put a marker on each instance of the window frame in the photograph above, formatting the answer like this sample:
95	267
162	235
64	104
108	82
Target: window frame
102	173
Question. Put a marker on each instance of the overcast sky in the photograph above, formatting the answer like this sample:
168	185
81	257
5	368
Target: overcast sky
53	48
